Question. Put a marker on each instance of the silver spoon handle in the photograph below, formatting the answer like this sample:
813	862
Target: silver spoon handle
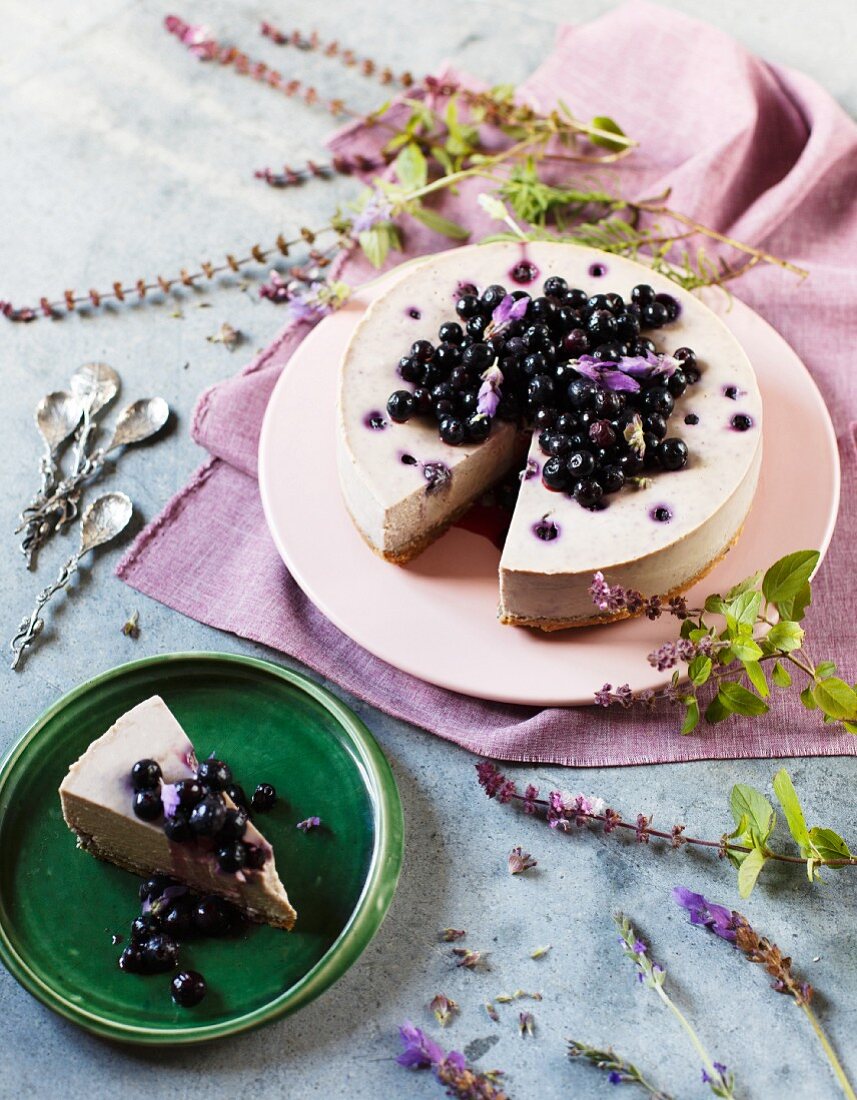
33	624
66	490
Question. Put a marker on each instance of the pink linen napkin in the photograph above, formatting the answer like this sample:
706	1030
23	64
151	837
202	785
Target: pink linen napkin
759	152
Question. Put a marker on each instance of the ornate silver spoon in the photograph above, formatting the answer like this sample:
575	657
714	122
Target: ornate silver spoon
102	521
136	423
57	416
94	385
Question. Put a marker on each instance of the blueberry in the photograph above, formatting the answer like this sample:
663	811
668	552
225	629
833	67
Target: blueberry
566	423
231	856
643	294
187	988
581	393
581	464
545	437
576	343
537	337
630	463
655	314
596	301
555	474
176	917
432	374
153	887
611	479
410	369
466	403
443	408
564	320
264	798
602	434
545	417
145	775
147	805
656	424
476	326
627	326
177	828
677	382
661	514
400	406
542	309
650	454
555	287
478	428
644	346
670	305
237	794
142	927
509	407
741	422
447	356
159	954
452	431
422	400
208	816
235	824
534	363
607	404
610	353
576	298
601	326
213	916
588	492
460	378
423	350
493	295
540	389
658	400
560	444
131	960
467	306
450	332
691	419
478	356
189	791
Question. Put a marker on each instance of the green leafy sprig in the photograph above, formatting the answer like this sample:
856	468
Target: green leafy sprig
619	1070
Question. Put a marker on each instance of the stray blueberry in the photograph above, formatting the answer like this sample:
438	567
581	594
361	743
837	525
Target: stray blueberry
264	798
187	988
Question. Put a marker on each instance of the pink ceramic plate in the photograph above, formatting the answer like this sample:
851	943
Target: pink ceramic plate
436	617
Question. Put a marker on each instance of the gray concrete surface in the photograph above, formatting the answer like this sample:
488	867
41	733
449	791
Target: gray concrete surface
121	156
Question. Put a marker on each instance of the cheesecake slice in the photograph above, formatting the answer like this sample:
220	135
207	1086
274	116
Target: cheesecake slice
97	804
660	533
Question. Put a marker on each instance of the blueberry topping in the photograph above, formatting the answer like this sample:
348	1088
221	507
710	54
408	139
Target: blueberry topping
672	454
159	953
264	798
670	305
450	332
731	392
452	430
400	406
467	306
177	828
235	825
154	887
145	775
131	960
691	418
208	816
493	295
588	491
147	805
546	530
236	793
231	857
213	916
175	917
581	464
187	988
142	927
214	774
477	428
643	294
661	514
597	270
189	791
741	422
555	474
524	272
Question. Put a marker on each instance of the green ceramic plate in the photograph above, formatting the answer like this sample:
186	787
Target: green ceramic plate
59	906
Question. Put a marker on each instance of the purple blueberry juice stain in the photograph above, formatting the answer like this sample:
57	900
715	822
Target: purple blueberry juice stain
741	422
464	288
524	272
531	470
375	421
661	514
413	313
546	529
437	474
732	392
597	271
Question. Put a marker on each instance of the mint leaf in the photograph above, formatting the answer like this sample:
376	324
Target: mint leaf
829	844
377	242
699	669
745	649
806	697
786	577
715	605
785	792
824	670
602	122
836	698
743	586
743	610
411	167
691	718
786	636
736	698
756	676
748	872
781	676
749	804
715	711
795	607
440	224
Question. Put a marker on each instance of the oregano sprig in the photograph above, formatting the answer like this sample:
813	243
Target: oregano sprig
732	669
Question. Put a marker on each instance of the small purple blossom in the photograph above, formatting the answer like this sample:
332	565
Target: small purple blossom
169	799
509	310
606	374
670	653
420	1050
490	391
376	210
640	948
716	918
491	779
308	823
276	289
520	861
615	1077
196	37
530	796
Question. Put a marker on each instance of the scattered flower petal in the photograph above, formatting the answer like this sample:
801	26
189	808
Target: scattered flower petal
444	1008
520	861
227	335
308	823
450	935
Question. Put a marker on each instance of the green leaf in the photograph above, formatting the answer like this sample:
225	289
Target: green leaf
785	792
786	577
747	802
748	872
440	224
836	698
786	636
715	605
807	699
411	167
377	242
795	608
602	122
829	844
745	649
850	727
781	676
743	610
699	669
715	711
743	586
756	676
691	718
736	698
824	670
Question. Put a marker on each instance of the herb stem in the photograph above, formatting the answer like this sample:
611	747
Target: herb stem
697	1045
836	1065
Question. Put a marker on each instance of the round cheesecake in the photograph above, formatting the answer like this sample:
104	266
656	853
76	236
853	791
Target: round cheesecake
403	485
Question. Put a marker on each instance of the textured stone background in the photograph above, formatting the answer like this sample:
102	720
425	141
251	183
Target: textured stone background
123	157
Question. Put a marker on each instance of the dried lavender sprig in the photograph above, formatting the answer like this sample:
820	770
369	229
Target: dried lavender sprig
339	165
313	43
732	926
420	1051
561	811
653	976
619	1070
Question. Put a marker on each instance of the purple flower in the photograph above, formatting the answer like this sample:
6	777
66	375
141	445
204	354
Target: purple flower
530	796
606	374
489	394
308	823
276	289
509	310
520	861
716	918
196	37
420	1051
170	799
490	777
604	697
615	1077
377	209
